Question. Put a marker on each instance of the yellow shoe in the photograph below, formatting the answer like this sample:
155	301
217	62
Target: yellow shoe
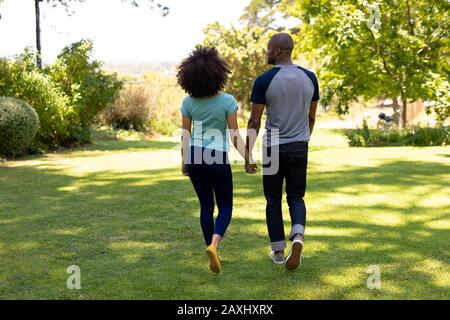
214	261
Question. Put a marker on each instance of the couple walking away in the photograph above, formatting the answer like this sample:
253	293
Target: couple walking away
209	117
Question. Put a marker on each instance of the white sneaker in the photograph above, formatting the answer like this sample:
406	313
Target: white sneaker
294	258
276	258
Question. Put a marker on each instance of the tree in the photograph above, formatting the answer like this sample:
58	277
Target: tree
89	89
66	4
373	48
260	13
244	49
266	14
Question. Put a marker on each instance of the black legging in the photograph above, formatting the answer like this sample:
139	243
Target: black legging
209	180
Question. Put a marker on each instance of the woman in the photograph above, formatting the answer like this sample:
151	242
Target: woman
206	114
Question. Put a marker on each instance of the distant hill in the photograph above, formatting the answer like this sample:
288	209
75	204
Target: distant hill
140	69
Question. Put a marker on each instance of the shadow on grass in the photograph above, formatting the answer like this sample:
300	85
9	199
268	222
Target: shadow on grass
138	236
120	145
104	146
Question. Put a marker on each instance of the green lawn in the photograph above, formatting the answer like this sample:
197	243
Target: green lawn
122	211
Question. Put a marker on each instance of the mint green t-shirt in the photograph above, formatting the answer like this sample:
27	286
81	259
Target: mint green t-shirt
209	119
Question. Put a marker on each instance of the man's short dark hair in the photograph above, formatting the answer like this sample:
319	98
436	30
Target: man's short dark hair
203	73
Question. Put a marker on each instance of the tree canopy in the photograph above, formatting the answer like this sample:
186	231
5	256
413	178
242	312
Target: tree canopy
390	48
244	49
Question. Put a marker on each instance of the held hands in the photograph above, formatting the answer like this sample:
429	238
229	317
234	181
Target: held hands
251	168
250	165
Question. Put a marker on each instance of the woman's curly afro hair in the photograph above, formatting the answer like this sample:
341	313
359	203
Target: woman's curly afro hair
203	73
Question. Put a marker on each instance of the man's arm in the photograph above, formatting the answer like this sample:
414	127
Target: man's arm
312	116
254	124
236	138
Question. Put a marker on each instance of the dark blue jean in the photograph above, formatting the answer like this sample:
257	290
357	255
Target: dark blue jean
209	180
293	162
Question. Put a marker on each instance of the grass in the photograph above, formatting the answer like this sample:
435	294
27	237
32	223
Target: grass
122	212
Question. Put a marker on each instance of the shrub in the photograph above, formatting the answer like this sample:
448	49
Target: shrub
20	78
439	93
414	136
89	89
150	107
439	136
131	110
18	126
166	97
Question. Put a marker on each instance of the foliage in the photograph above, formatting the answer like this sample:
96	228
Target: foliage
18	126
414	136
21	78
164	10
244	49
89	88
260	13
375	48
439	92
67	96
130	110
166	97
151	107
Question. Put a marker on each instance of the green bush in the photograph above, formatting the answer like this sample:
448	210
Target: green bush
130	111
20	78
166	97
151	107
414	136
89	89
18	126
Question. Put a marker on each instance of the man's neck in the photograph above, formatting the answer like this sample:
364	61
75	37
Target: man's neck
285	62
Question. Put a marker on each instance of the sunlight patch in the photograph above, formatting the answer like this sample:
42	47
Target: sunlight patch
137	245
69	188
386	219
437	269
8	221
132	257
69	232
356	246
317	246
333	232
443	224
27	245
433	201
347	278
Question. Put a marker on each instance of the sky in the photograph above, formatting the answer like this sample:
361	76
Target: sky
121	32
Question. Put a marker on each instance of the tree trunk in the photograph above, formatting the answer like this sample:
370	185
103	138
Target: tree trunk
396	108
404	110
38	33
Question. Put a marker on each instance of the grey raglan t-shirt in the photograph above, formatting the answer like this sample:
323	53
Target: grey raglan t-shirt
287	91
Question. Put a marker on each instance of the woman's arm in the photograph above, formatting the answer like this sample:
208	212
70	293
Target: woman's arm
236	138
186	124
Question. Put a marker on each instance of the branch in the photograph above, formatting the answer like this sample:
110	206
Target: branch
380	52
428	13
410	23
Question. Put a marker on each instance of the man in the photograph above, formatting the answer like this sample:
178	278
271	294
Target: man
291	95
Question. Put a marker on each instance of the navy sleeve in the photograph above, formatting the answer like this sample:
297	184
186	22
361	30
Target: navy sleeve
312	76
261	85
